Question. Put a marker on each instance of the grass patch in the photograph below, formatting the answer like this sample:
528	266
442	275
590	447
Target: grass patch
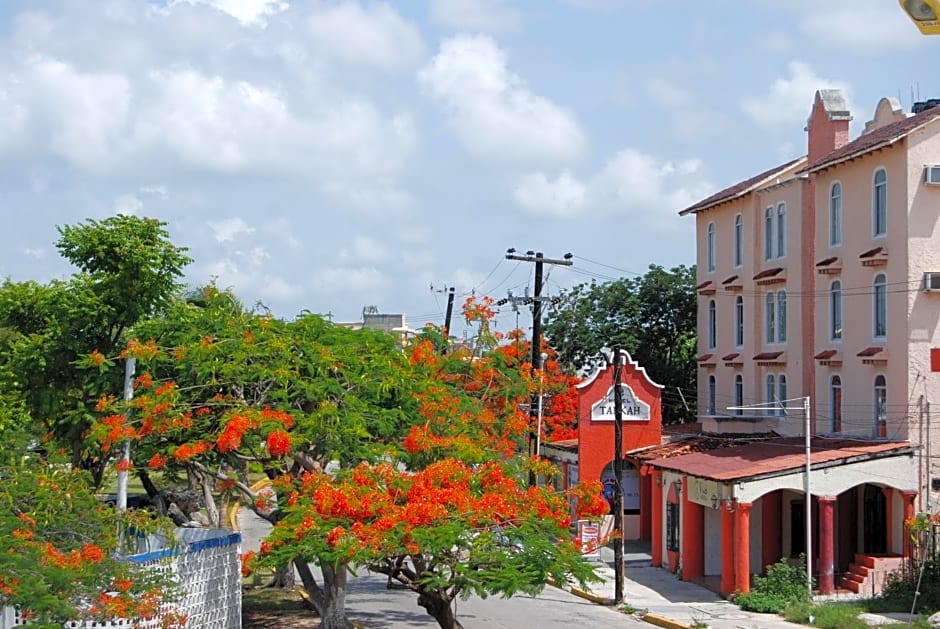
839	616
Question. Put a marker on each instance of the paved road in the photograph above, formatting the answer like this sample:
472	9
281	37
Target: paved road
375	607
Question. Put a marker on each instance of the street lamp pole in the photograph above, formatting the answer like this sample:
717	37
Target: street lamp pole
618	474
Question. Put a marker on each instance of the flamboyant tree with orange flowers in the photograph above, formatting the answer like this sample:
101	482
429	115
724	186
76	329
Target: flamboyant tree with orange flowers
60	550
223	391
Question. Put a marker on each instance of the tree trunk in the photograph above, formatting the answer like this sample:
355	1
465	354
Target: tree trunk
283	577
440	608
212	511
329	600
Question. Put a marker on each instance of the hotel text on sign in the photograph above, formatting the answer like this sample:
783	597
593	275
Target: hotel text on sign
634	409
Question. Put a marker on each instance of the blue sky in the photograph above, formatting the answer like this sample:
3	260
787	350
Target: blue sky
328	155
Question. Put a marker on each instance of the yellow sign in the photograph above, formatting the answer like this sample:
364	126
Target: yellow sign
924	14
704	492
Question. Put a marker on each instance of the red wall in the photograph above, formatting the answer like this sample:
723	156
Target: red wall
596	438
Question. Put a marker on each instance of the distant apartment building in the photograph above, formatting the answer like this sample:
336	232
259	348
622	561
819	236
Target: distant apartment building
818	287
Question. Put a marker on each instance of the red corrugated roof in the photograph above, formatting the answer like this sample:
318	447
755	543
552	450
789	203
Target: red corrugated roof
826	353
729	280
565	444
879	138
704	358
704	284
730	356
737	189
870	351
827	261
774	456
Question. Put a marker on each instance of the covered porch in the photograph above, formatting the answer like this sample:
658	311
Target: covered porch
728	513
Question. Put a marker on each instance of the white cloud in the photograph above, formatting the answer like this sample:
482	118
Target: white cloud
128	204
667	93
494	113
564	196
489	16
866	25
348	279
787	103
630	182
245	11
375	35
228	229
365	249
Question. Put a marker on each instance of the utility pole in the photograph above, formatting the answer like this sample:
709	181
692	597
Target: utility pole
540	260
129	368
450	312
618	474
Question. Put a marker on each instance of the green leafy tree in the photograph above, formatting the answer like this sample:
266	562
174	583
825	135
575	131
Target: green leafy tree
61	547
127	269
652	316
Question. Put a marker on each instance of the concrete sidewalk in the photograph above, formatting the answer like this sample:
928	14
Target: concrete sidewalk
670	602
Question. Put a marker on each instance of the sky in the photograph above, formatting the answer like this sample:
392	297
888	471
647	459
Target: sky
329	155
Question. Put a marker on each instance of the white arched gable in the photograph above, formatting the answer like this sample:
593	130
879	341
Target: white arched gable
626	359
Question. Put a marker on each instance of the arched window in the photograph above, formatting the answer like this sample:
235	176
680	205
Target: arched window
880	406
770	394
711	247
835	403
769	233
835	311
739	321
880	306
835	215
770	335
738	394
712	324
711	395
880	203
782	316
781	230
782	394
738	240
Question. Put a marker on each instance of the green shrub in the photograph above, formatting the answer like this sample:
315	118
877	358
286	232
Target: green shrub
898	592
785	584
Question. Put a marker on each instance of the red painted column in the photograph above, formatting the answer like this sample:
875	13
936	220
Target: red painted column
727	549
772	525
742	547
693	537
656	518
827	583
908	516
889	517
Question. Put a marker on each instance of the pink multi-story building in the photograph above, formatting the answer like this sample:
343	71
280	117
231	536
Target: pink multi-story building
819	290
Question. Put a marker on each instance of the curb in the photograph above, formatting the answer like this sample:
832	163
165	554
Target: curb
590	596
662	621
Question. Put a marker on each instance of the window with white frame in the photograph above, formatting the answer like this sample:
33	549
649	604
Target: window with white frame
770	394
835	403
739	321
880	405
738	394
769	233
781	316
835	311
738	240
781	230
880	306
710	246
712	324
880	203
835	215
781	394
770	334
712	391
